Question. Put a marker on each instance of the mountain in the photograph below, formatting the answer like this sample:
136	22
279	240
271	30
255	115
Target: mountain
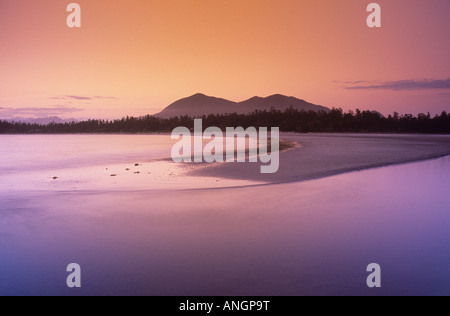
200	104
279	102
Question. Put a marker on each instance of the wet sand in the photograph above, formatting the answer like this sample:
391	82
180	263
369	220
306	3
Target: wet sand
323	155
157	228
307	238
311	156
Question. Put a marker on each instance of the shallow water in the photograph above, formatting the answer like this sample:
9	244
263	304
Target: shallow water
21	153
97	162
308	238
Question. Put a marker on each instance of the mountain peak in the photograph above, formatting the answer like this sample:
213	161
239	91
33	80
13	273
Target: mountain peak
283	97
278	96
200	104
198	95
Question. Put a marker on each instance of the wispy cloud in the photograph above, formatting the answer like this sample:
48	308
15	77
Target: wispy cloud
400	85
37	111
353	82
70	97
76	97
81	98
106	98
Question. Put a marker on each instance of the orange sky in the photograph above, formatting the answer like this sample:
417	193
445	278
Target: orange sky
136	57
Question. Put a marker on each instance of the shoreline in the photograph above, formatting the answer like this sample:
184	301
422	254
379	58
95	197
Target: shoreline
317	156
324	176
286	231
303	157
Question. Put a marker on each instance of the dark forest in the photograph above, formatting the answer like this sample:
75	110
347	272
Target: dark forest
290	120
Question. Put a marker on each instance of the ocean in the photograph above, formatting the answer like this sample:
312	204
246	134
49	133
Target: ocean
154	230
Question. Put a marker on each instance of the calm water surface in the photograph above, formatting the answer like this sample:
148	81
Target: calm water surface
315	237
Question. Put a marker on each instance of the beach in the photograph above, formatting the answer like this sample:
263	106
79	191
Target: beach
142	162
223	229
225	149
322	155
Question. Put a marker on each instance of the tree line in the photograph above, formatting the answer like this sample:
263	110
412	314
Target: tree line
290	120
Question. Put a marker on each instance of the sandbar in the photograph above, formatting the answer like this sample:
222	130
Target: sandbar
323	155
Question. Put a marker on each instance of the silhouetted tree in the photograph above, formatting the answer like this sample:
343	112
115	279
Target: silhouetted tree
290	120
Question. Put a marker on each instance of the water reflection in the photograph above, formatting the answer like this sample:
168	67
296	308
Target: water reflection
309	238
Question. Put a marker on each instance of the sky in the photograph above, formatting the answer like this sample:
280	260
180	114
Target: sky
136	57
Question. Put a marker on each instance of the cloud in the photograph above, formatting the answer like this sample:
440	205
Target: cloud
401	85
81	98
353	82
75	97
37	111
101	97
